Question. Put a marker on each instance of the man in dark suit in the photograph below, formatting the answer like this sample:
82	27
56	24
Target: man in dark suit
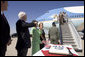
5	38
24	41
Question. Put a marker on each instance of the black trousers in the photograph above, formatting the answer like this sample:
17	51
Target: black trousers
22	52
42	46
3	50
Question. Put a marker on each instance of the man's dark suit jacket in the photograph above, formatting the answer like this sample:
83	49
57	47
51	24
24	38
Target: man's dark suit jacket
23	34
4	31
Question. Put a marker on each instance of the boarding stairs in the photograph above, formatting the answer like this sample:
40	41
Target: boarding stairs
70	36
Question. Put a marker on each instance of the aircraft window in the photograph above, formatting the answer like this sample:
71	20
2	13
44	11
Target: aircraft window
82	15
77	16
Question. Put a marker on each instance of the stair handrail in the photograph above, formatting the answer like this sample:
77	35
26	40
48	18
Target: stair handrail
77	37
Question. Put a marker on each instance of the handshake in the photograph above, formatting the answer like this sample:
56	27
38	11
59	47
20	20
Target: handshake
35	22
45	42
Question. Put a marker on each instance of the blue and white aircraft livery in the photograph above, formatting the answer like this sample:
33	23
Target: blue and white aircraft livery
75	14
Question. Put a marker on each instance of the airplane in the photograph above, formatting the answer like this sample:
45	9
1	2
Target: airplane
75	14
76	20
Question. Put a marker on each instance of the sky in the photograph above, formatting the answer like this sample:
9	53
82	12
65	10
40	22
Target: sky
34	9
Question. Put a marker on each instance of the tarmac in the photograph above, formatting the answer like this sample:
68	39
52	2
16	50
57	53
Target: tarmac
11	51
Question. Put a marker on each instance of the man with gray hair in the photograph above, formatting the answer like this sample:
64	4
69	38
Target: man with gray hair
24	41
5	38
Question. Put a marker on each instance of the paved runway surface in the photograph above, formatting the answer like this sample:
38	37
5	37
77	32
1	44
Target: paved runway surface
11	51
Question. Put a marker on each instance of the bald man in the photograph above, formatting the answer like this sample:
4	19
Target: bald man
5	38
